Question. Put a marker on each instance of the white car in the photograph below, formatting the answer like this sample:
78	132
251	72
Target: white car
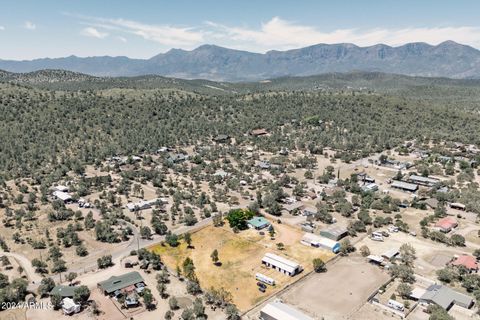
392	229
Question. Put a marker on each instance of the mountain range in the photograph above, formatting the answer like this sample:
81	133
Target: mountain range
447	59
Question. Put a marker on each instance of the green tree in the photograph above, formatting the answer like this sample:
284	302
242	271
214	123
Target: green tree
81	294
214	257
319	265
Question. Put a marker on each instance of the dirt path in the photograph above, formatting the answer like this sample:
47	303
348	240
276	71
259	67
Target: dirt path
25	263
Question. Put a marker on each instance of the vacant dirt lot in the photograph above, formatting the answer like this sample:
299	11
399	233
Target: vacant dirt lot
339	292
240	255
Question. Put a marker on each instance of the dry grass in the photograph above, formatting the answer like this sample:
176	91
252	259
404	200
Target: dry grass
240	255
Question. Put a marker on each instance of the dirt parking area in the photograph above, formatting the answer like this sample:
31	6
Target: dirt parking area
430	255
338	293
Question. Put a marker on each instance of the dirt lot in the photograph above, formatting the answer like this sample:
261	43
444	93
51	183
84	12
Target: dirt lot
339	292
430	255
240	255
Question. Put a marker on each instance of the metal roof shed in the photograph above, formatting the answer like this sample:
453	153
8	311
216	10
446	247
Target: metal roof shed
115	283
280	311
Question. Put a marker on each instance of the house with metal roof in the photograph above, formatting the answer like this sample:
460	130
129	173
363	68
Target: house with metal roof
334	232
63	196
424	181
278	310
258	223
291	207
445	297
281	264
63	291
391	254
405	186
370	187
115	283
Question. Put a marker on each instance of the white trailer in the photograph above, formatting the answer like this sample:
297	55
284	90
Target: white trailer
263	278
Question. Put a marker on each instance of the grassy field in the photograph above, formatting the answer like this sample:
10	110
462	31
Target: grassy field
240	256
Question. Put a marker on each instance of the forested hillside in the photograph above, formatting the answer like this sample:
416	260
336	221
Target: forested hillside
45	130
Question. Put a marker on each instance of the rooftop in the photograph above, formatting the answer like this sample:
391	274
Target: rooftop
446	223
119	282
258	222
281	262
445	297
279	310
404	185
467	261
63	291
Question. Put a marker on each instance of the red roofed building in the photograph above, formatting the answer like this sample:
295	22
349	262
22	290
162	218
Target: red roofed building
467	261
446	224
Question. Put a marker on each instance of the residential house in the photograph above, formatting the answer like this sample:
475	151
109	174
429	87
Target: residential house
258	223
445	297
123	283
446	224
466	261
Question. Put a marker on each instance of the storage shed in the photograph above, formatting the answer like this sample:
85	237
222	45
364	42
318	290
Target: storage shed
310	239
280	311
281	264
334	232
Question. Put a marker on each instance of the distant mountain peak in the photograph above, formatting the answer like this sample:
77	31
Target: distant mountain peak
212	62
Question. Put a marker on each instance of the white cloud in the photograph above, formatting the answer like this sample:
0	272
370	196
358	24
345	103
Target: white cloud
122	39
29	25
276	34
2	28
281	35
94	33
166	35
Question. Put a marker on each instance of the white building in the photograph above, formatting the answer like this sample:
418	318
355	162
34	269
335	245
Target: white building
312	240
280	311
60	195
69	306
142	204
281	264
61	188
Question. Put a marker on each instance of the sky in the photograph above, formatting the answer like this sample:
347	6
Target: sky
32	29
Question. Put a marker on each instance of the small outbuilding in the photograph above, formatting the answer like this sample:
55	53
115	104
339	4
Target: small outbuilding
312	240
69	306
258	223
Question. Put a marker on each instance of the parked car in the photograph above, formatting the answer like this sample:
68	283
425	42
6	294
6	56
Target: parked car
261	289
413	233
261	285
392	229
